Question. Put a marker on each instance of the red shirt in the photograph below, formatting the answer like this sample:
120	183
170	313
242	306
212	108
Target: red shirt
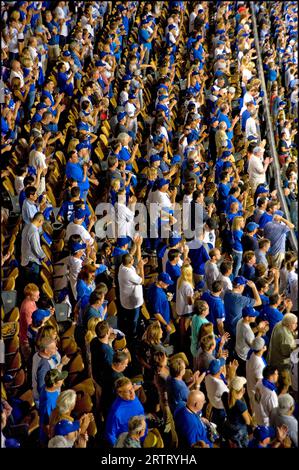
26	310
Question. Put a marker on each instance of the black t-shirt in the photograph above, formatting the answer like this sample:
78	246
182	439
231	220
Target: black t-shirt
249	243
101	359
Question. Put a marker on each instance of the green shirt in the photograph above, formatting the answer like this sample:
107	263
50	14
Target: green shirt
197	321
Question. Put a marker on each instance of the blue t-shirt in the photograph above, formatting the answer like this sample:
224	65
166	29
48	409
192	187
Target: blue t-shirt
177	392
158	302
276	232
174	272
198	257
47	403
272	315
234	304
237	236
83	292
190	427
223	118
264	219
120	413
216	307
247	271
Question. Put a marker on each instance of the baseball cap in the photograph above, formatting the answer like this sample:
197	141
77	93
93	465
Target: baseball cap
249	312
155	158
100	63
127	78
227	165
214	119
66	54
278	212
281	103
77	247
263	432
215	365
162	182
122	241
120	116
261	189
175	159
164	277
240	281
258	343
196	116
237	383
162	97
39	314
79	214
53	376
192	136
251	226
258	149
65	427
132	96
175	240
226	154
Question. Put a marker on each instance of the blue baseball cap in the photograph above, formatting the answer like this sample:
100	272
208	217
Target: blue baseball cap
66	53
215	365
100	63
227	165
174	240
192	136
79	214
226	154
120	116
279	213
65	427
251	226
164	277
75	247
123	241
261	189
11	443
240	281
39	314
281	103
263	432
162	182
176	159
134	46
7	91
214	119
155	158
171	26
249	312
127	78
82	145
132	96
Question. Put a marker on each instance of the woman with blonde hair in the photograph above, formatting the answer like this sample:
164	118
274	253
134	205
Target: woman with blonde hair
237	233
90	334
150	344
185	300
238	417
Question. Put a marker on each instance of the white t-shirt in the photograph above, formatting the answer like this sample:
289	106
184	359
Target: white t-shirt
37	159
130	287
244	338
254	372
265	401
182	294
124	219
292	289
256	171
250	128
73	228
215	388
74	265
227	283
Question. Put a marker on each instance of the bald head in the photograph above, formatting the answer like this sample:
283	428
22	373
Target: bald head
196	400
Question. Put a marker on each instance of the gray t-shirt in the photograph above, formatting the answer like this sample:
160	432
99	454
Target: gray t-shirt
277	419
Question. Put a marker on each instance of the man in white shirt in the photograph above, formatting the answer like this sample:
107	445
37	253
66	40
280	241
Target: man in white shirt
215	387
257	168
76	227
265	396
211	268
254	367
124	215
131	294
226	269
75	263
245	336
251	126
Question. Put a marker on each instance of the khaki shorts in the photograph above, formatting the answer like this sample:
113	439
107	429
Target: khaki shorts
275	261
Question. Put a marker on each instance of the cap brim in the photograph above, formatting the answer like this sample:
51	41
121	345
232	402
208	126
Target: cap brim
63	375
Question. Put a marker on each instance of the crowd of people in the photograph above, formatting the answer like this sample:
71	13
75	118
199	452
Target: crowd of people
149	284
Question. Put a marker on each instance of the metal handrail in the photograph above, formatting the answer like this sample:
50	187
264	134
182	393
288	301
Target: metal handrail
275	166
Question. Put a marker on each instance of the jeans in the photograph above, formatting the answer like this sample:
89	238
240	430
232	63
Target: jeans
237	258
31	273
128	321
